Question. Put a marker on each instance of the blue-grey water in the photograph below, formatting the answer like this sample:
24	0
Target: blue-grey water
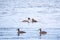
11	34
46	12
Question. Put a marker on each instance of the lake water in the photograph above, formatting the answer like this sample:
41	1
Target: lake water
46	12
11	34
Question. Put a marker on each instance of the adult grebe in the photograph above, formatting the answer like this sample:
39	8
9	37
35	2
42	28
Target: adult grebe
26	20
20	32
33	20
42	32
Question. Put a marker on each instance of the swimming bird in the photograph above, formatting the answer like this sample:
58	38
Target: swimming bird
42	32
26	20
33	20
20	32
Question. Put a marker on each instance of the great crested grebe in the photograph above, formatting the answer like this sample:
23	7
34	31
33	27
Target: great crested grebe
42	32
20	32
33	20
26	20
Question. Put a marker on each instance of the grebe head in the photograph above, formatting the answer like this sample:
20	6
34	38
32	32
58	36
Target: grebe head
18	29
28	18
40	29
32	19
